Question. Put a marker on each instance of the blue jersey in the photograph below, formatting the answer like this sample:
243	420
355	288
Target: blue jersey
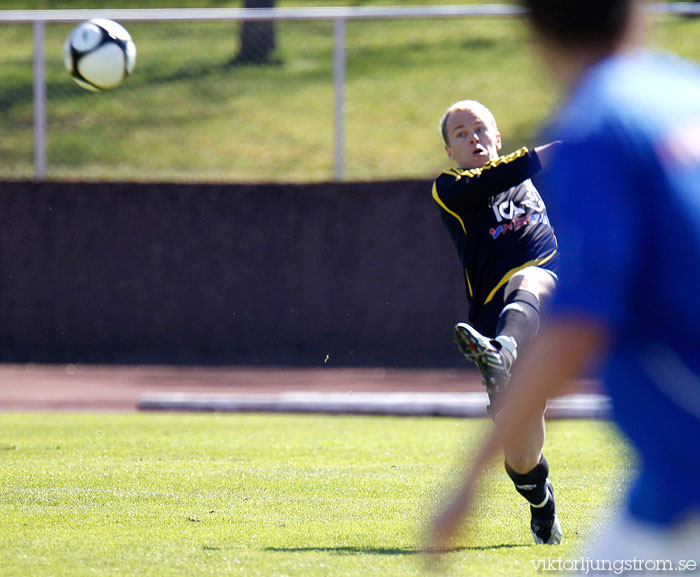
625	194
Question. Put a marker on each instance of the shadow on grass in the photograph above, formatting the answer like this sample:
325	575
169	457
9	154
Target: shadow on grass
385	550
487	547
347	550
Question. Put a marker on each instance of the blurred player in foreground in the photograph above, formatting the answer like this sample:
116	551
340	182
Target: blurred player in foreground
625	190
508	252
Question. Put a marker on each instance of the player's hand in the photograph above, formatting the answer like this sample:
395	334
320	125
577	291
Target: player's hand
444	528
446	524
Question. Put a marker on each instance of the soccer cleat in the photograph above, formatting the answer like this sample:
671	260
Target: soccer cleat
481	351
546	530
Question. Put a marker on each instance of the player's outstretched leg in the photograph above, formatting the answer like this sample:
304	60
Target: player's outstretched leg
491	359
536	487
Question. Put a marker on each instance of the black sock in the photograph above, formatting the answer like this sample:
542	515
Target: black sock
532	485
520	318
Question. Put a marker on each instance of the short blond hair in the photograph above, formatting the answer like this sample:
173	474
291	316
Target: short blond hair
474	106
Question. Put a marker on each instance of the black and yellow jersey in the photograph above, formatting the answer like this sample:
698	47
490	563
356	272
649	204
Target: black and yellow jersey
499	225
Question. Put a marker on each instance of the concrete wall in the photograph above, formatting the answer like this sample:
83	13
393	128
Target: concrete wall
358	273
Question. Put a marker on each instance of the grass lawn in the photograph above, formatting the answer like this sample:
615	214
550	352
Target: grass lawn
207	494
187	114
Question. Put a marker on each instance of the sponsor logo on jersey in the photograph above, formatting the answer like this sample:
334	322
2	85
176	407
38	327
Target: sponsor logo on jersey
518	223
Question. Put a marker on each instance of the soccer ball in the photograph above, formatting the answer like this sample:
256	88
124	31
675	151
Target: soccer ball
99	54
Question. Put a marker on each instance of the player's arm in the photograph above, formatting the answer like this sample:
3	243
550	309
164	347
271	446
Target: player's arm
557	356
462	189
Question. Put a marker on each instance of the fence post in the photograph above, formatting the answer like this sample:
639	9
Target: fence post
339	96
39	102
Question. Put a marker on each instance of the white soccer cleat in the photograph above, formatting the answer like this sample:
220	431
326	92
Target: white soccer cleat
546	534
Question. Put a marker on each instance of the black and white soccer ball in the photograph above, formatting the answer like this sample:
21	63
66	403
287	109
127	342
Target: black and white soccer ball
99	54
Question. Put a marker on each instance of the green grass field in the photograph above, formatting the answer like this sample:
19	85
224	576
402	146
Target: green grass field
187	114
193	494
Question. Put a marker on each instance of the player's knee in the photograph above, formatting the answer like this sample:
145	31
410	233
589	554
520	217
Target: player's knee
523	461
533	279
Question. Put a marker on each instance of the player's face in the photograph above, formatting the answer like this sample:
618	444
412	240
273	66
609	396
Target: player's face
474	140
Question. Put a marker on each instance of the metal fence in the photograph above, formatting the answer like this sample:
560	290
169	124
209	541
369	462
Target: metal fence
311	94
